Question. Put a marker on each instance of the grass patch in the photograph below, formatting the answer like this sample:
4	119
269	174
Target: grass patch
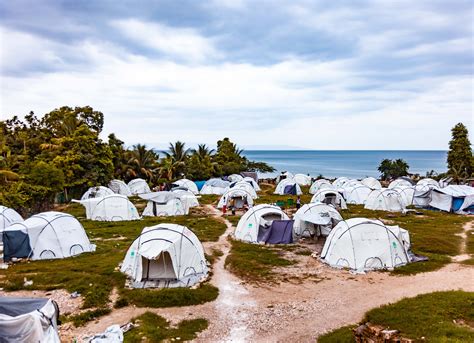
266	196
84	317
255	262
438	317
432	234
209	199
215	254
341	335
233	219
154	328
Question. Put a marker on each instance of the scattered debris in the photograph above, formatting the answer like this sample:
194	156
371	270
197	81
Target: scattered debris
113	334
377	334
75	294
27	282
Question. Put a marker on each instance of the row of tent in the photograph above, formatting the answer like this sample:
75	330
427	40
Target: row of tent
359	244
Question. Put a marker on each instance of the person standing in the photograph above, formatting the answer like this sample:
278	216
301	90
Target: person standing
298	202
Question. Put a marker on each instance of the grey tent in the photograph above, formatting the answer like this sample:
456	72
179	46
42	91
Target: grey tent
28	320
278	232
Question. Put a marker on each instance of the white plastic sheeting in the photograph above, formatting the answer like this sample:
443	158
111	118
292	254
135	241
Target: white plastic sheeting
163	204
362	244
385	200
320	184
442	198
357	194
372	183
244	186
8	216
249	224
120	187
188	184
96	192
251	181
428	181
214	186
339	182
138	186
188	199
165	255
235	178
315	219
302	179
114	207
329	197
400	182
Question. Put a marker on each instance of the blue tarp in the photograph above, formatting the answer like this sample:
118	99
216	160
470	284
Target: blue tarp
199	184
280	232
290	189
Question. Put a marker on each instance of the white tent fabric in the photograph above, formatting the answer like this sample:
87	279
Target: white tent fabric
245	186
249	224
138	186
214	186
428	181
362	244
339	182
372	183
442	198
97	192
302	179
351	183
25	320
8	216
407	193
188	184
280	188
251	181
235	178
385	200
284	175
329	197
239	197
399	182
188	199
54	235
114	207
120	187
315	219
357	194
163	204
320	184
165	255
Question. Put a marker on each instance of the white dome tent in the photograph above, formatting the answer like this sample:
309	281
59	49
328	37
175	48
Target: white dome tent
362	244
351	183
165	255
96	192
339	182
245	186
320	184
235	178
47	235
400	182
407	194
138	186
372	183
237	197
162	204
8	216
188	199
120	187
428	181
329	197
288	186
114	207
188	184
214	186
302	179
284	175
257	217
315	219
251	181
385	200
357	194
422	194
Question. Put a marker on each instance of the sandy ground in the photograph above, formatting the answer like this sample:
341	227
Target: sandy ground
312	299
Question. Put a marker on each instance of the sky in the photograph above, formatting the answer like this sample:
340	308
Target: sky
267	74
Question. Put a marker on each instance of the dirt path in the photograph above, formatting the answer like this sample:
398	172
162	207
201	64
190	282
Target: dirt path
467	228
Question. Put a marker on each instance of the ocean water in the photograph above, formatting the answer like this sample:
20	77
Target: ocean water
349	163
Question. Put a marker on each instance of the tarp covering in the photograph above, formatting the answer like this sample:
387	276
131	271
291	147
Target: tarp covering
314	219
279	232
26	320
444	198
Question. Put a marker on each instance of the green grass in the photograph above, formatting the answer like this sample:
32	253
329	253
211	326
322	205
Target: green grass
341	335
266	196
209	199
432	234
255	262
84	317
233	219
439	317
153	328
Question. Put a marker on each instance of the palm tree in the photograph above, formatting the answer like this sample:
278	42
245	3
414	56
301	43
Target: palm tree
177	156
142	162
203	151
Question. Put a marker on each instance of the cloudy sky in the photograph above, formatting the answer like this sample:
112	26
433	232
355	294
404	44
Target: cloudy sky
310	74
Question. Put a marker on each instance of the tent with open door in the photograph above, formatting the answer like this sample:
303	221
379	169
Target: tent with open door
320	184
284	175
215	186
47	235
162	204
138	186
25	320
236	197
96	192
114	207
8	216
315	219
372	183
165	255
363	244
120	187
302	179
188	184
288	186
385	200
245	186
329	197
357	194
254	224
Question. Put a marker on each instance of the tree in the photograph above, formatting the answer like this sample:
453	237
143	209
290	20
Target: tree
142	162
460	159
47	175
176	159
229	158
392	169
